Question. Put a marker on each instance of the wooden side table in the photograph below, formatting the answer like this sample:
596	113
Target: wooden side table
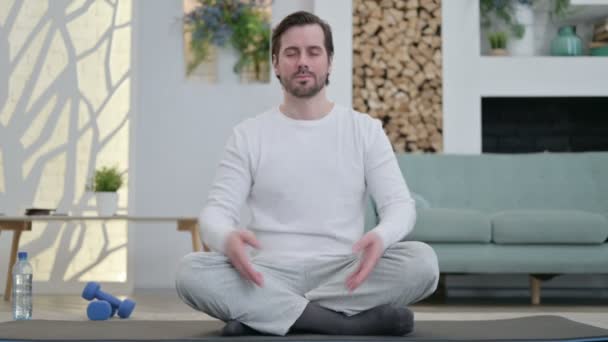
18	224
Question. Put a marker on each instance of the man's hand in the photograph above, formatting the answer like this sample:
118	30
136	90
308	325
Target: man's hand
372	247
235	251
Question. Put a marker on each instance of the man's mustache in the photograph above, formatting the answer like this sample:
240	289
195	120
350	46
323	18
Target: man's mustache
303	73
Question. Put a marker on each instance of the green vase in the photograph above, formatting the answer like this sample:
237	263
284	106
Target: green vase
567	43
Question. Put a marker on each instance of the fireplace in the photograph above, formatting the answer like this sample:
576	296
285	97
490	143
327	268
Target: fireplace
544	124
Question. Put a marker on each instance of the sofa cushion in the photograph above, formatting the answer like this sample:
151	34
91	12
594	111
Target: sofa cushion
527	259
548	227
494	182
451	225
421	202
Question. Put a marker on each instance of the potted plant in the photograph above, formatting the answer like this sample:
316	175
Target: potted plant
242	25
498	43
106	182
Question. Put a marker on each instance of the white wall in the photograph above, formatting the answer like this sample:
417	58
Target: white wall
65	104
338	13
181	126
461	104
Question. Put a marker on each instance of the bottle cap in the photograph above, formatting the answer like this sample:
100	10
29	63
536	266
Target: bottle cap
22	255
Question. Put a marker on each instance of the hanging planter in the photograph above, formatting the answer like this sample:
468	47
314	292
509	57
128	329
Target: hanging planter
238	24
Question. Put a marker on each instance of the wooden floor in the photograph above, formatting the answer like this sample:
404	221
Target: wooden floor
165	305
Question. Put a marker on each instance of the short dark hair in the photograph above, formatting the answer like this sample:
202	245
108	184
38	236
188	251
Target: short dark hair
301	18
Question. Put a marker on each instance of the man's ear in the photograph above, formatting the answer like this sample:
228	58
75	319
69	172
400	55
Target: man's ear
275	61
331	60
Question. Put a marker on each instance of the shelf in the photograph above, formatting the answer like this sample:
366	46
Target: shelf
543	76
583	14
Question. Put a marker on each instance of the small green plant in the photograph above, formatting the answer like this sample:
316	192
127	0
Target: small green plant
498	40
107	179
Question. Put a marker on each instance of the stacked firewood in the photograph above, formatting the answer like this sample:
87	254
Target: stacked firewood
397	69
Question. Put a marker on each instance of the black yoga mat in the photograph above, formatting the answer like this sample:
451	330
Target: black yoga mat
531	328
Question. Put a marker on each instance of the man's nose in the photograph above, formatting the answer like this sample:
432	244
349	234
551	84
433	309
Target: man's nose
302	67
303	62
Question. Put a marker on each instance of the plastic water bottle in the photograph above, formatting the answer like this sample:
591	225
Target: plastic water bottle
22	288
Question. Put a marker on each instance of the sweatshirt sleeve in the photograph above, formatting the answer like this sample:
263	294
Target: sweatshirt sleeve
228	193
387	186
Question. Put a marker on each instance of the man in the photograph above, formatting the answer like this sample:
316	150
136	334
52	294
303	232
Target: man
304	169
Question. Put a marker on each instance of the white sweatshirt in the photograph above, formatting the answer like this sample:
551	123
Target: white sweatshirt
306	184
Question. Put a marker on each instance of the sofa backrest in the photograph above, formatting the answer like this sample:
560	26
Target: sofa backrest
491	182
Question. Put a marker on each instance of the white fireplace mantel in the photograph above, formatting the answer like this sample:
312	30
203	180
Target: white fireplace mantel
469	76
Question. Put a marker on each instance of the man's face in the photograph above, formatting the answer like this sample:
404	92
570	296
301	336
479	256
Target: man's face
302	63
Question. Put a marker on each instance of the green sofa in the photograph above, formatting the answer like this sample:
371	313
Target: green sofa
541	214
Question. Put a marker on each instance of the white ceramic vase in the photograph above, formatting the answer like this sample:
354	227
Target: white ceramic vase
524	14
107	203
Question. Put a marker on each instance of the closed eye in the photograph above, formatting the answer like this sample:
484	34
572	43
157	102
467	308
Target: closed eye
315	51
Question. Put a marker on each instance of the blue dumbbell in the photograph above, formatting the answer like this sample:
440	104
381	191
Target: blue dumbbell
125	307
99	310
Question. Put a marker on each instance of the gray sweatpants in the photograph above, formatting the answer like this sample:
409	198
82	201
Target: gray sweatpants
207	281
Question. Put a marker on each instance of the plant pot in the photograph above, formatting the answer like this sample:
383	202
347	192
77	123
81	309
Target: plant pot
523	46
107	203
499	52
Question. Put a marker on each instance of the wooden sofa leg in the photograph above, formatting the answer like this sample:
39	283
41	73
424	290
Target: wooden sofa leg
535	289
535	282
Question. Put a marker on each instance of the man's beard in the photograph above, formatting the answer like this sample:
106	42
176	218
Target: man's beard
303	89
